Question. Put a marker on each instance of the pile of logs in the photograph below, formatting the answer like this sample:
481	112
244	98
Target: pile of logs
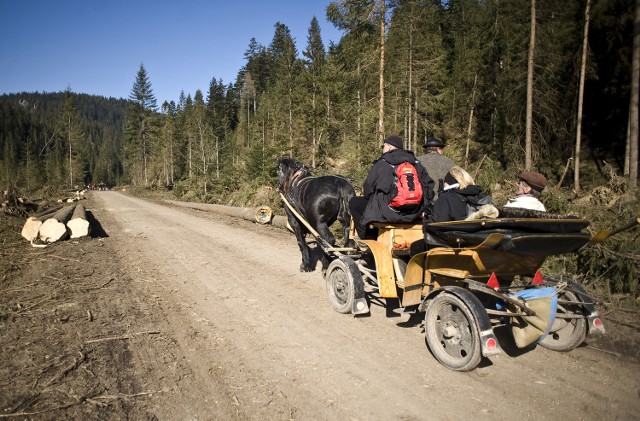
75	196
57	224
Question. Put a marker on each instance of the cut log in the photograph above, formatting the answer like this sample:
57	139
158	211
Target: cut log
78	224
55	228
261	215
30	228
33	223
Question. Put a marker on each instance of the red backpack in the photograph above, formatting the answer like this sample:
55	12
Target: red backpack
409	196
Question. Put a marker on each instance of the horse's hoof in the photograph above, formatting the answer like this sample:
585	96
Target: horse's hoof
305	268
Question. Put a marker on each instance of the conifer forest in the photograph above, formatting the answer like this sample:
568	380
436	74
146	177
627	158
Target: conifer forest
509	85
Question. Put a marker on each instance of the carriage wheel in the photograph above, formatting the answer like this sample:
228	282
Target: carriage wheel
452	333
566	334
339	283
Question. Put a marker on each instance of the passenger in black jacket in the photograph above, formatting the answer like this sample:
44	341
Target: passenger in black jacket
379	189
451	205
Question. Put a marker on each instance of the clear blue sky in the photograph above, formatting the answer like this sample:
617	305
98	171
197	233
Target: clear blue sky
96	46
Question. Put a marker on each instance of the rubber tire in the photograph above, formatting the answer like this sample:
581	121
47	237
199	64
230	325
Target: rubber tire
339	285
461	352
566	334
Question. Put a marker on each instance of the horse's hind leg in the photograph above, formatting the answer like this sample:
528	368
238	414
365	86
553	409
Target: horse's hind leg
327	235
346	228
345	219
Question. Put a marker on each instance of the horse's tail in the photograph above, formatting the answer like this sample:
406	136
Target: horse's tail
346	193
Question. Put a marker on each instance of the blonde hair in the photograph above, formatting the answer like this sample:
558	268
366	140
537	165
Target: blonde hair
462	177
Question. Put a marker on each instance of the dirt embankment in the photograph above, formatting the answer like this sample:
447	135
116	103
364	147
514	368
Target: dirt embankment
169	313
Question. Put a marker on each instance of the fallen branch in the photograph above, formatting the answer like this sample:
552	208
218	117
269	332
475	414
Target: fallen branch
603	350
123	337
66	371
564	173
44	411
122	396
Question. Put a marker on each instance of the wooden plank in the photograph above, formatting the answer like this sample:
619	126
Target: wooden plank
384	268
413	280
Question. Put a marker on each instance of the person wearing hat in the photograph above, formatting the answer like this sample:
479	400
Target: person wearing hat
528	190
435	162
379	189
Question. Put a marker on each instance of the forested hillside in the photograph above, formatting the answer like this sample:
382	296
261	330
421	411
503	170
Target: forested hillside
457	70
509	85
60	139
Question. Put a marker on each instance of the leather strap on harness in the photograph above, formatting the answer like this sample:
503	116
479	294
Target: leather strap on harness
304	222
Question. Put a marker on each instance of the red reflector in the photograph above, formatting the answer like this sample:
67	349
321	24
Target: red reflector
597	323
493	281
537	279
490	344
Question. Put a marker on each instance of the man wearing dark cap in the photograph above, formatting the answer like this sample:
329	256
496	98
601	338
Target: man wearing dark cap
528	190
435	162
379	189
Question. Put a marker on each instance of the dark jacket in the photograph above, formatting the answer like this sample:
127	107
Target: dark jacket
379	188
452	204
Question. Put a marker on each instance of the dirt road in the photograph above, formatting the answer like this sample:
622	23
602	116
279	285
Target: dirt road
219	324
260	338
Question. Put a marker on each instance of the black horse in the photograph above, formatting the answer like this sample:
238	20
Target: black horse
319	200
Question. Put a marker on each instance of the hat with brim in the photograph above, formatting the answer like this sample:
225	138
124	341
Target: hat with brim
434	142
394	141
535	180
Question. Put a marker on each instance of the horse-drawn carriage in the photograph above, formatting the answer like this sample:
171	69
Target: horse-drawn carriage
469	278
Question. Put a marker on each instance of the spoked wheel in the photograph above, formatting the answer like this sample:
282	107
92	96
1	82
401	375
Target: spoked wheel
566	334
340	286
452	333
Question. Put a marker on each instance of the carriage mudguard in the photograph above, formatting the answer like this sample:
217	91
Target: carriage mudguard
488	340
360	305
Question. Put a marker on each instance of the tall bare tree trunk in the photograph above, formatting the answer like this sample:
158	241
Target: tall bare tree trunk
470	125
412	135
314	141
381	109
583	67
532	45
635	86
70	154
291	119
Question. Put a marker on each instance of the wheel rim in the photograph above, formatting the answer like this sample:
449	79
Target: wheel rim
339	285
453	330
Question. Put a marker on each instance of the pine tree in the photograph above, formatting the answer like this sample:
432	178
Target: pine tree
70	135
286	68
313	108
141	130
357	67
